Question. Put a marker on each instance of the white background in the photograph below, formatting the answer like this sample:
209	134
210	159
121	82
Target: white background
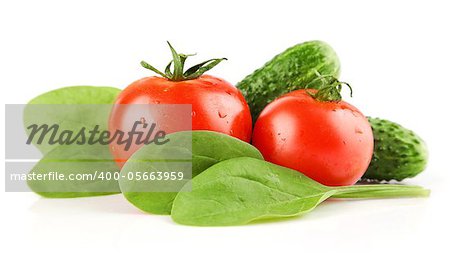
394	53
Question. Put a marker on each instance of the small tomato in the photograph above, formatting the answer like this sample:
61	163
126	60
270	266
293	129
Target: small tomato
316	133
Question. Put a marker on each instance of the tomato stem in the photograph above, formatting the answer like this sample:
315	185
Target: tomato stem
178	61
330	88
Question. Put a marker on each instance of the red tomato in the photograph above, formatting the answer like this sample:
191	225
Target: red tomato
216	105
328	141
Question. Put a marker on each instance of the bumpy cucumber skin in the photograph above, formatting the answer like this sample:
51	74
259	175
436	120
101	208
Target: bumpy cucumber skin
398	152
293	69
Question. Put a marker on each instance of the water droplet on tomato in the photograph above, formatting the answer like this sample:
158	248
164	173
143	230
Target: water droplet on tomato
193	113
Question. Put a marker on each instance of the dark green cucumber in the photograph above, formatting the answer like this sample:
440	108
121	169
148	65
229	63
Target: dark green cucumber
293	69
398	153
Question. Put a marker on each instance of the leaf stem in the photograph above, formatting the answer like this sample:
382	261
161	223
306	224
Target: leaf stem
380	191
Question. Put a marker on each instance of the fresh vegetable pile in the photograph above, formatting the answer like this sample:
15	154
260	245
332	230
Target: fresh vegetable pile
307	144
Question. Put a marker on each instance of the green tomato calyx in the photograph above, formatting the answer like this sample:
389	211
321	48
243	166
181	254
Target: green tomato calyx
178	73
329	88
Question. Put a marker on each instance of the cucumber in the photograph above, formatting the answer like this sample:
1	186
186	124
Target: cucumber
293	69
398	153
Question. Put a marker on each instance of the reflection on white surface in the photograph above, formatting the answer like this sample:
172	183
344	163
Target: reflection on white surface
70	206
112	220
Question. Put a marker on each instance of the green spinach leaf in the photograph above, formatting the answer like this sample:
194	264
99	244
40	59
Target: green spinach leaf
242	190
72	108
78	95
189	152
75	171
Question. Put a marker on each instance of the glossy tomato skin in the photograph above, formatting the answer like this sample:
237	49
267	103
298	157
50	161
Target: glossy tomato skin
216	105
330	142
